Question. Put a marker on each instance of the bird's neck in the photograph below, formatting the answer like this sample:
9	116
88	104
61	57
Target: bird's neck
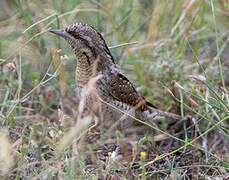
89	66
84	69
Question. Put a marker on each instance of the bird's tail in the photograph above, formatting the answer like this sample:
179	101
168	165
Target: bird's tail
155	114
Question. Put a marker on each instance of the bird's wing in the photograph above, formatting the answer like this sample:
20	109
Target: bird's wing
123	90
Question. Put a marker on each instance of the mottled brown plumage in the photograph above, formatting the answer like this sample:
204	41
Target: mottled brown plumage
113	86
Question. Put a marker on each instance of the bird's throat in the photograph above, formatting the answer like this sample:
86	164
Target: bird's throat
83	69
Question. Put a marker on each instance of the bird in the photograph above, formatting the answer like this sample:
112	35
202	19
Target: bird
114	99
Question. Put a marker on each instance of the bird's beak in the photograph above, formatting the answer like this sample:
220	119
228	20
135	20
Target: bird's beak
61	33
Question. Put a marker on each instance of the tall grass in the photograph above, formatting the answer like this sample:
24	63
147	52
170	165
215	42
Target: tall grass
175	51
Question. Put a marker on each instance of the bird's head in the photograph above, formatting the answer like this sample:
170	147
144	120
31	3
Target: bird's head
85	41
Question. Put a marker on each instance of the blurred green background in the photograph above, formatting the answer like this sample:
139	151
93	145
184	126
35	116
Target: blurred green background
175	51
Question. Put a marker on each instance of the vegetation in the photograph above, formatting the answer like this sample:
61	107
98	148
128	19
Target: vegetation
177	53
